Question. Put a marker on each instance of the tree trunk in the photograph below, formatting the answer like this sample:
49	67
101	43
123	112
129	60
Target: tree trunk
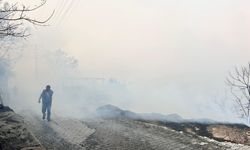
248	111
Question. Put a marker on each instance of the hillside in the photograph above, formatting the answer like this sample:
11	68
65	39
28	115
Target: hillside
110	111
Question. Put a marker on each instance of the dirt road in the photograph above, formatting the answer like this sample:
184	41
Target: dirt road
60	133
127	134
115	134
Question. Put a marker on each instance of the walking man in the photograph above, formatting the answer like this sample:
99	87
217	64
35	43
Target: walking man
46	97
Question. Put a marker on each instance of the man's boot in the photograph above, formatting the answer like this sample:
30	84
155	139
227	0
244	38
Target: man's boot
44	116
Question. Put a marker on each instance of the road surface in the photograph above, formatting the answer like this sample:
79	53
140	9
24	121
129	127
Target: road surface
116	134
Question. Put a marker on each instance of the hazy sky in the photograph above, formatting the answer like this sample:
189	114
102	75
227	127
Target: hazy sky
173	55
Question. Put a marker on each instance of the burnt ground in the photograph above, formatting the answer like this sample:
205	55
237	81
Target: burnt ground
112	134
102	134
14	133
223	132
235	133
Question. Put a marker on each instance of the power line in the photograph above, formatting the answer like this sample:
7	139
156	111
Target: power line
65	13
60	9
76	2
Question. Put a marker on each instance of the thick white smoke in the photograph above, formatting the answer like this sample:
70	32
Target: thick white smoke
167	56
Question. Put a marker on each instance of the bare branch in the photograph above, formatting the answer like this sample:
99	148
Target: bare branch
12	20
240	88
24	9
239	102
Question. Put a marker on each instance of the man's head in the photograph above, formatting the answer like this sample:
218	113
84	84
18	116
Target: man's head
48	87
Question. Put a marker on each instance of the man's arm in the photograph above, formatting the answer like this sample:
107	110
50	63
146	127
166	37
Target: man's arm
39	100
51	94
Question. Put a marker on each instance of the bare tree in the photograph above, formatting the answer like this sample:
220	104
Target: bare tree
14	16
239	83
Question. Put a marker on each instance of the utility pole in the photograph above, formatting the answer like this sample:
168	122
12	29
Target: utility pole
36	62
